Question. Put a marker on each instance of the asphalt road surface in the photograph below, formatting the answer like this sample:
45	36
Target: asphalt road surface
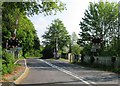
58	73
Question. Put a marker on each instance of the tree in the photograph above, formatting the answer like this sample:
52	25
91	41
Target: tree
30	8
26	33
14	17
75	48
57	35
100	20
11	12
74	38
47	52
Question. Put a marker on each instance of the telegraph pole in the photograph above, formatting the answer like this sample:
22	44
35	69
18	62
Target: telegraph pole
55	52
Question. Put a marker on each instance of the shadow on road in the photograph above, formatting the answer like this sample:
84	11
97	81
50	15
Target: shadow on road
90	73
103	78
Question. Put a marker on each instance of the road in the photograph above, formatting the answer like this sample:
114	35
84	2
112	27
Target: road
58	73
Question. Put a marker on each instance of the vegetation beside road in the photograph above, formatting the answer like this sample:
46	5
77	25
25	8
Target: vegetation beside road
18	70
15	17
100	20
99	32
7	63
99	29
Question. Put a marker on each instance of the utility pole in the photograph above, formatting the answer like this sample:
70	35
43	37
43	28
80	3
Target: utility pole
55	52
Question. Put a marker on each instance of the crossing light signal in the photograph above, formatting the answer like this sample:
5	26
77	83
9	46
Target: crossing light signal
96	40
13	43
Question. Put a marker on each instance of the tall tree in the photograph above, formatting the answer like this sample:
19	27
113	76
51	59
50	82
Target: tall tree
26	33
56	35
14	17
12	11
74	38
100	20
75	48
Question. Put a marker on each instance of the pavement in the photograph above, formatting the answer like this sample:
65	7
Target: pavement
46	72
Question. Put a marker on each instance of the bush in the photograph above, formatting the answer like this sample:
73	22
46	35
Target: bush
4	69
34	53
0	68
37	53
8	57
64	55
10	67
117	70
7	63
47	52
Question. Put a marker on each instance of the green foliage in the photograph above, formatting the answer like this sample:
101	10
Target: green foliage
7	63
7	57
4	69
56	35
0	50
31	8
65	49
26	33
74	38
100	20
28	36
38	53
116	70
34	53
76	49
47	52
0	68
111	50
10	67
86	50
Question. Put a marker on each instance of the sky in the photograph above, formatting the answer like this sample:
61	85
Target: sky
70	17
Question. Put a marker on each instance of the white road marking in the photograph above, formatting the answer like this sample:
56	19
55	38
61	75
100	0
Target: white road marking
25	63
16	81
69	73
92	82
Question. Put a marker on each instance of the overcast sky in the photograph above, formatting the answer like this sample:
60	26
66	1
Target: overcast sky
70	17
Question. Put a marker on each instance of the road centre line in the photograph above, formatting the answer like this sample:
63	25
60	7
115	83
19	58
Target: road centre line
69	73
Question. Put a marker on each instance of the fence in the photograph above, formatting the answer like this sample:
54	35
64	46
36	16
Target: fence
104	60
108	61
